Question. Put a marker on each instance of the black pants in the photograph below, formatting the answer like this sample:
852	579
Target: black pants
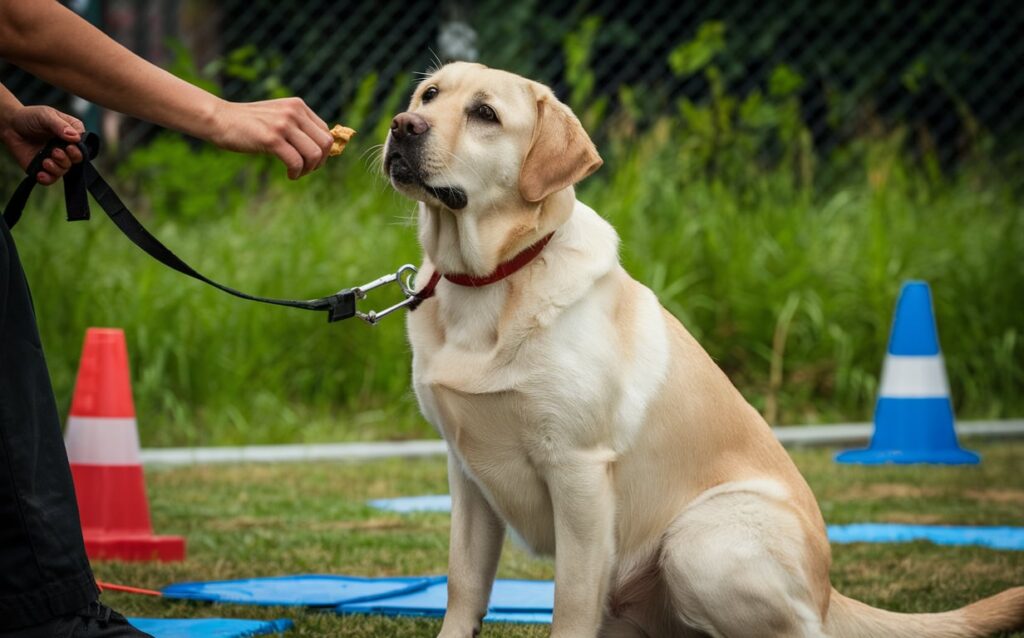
44	571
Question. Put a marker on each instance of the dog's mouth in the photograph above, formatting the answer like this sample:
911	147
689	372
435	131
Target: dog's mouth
403	173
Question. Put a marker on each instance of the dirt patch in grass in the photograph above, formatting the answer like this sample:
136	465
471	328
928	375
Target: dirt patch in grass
997	496
908	518
242	523
872	491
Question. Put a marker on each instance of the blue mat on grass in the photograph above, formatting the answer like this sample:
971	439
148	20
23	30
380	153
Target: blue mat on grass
409	504
309	591
994	537
208	627
517	601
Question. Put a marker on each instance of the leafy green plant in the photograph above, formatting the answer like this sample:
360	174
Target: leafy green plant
191	181
732	135
697	54
260	71
578	47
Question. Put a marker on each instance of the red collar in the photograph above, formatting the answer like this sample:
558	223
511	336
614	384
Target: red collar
503	270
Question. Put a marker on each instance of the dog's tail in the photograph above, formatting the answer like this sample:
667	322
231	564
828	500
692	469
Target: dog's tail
848	618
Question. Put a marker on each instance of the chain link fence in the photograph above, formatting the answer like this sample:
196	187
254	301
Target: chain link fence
947	71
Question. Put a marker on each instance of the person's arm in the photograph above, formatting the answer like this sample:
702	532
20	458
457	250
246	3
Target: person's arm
53	43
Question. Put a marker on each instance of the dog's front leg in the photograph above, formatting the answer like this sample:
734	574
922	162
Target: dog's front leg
584	509
477	533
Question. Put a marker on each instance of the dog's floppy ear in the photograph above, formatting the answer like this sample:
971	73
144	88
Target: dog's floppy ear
560	154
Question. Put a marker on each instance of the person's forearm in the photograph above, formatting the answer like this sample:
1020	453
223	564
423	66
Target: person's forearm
8	104
50	41
53	43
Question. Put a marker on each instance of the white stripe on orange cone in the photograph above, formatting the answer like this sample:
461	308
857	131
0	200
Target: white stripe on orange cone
102	441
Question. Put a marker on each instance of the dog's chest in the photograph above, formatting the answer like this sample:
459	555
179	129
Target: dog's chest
506	442
509	415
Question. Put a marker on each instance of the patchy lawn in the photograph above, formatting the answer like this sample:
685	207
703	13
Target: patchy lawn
263	520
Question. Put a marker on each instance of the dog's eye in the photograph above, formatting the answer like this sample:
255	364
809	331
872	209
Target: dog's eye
429	94
486	113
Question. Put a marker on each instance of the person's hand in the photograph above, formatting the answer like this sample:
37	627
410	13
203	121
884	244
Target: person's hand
28	128
286	128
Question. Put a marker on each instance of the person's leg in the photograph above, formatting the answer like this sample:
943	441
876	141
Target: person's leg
44	571
46	585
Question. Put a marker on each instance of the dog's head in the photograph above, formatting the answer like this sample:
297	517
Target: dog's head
479	139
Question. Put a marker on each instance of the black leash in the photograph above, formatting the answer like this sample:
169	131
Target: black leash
83	177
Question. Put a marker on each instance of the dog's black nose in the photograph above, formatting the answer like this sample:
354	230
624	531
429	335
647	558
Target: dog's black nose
408	125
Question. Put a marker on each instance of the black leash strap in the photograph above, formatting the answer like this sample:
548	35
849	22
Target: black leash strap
83	177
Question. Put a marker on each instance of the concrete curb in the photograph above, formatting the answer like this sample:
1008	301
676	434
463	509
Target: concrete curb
860	433
839	434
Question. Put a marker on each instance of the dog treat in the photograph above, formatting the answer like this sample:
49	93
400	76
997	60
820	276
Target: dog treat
341	135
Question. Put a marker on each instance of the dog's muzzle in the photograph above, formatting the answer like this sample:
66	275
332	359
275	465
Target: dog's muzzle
403	158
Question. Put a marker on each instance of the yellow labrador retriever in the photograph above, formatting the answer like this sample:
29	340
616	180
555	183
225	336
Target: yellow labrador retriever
583	415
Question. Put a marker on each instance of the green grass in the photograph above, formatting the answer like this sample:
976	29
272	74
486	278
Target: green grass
788	277
262	520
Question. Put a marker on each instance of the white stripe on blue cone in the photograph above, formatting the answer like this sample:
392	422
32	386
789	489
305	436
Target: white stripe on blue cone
914	412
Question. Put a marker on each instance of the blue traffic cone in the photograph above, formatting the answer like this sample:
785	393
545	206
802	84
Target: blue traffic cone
914	413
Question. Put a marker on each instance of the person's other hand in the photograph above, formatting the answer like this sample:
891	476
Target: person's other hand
286	128
29	128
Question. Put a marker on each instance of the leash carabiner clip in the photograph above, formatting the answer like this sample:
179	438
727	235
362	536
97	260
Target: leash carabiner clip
405	276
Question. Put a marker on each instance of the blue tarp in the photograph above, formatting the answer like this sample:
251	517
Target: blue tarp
994	537
520	601
523	601
309	590
409	504
208	627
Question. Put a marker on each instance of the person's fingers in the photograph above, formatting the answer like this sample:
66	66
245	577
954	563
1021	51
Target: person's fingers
60	159
285	127
291	158
74	153
53	168
68	134
75	123
305	128
55	123
321	137
58	164
316	118
325	151
321	134
306	147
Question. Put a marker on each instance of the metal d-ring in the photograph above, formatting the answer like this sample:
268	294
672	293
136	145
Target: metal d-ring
408	284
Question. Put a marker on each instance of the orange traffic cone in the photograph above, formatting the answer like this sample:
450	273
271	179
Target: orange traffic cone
103	447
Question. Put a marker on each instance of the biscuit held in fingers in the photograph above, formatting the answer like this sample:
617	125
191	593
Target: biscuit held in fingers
341	135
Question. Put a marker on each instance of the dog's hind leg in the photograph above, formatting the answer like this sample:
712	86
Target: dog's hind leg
735	566
650	618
